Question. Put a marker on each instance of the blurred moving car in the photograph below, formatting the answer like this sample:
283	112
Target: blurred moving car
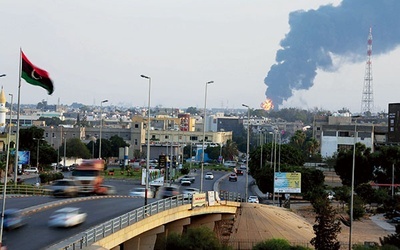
239	171
230	164
253	199
65	188
232	177
13	219
186	183
188	178
188	192
209	176
67	217
31	170
141	191
166	192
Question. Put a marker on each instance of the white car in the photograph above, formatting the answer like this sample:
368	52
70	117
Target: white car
140	192
253	199
67	217
31	170
188	192
209	176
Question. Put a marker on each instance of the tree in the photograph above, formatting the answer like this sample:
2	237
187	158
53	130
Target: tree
193	238
117	143
213	152
277	244
230	150
192	110
393	239
363	171
327	227
75	148
47	154
298	139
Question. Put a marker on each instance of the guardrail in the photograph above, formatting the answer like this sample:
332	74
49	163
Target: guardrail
107	228
24	189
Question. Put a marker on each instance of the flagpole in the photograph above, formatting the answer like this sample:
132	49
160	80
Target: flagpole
18	110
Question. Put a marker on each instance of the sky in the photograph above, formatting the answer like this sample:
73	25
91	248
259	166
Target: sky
96	50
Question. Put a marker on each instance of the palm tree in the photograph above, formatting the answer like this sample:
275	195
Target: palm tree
230	150
298	138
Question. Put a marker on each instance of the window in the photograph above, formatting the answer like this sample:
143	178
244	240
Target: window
136	142
136	125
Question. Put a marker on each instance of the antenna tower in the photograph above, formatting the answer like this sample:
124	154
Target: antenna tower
367	102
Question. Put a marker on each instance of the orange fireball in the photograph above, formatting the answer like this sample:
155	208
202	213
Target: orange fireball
267	105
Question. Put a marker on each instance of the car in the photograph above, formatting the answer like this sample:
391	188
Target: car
253	199
209	176
168	191
13	219
243	167
65	188
185	183
232	177
239	172
188	192
395	220
188	177
67	217
230	164
141	192
33	170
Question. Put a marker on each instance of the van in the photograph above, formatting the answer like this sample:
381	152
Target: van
231	164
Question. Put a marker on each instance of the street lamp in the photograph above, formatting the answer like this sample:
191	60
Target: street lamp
204	136
2	75
65	147
247	150
101	124
6	173
148	140
352	182
93	140
37	150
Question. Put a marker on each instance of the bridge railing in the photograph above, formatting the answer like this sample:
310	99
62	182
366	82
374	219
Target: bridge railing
107	228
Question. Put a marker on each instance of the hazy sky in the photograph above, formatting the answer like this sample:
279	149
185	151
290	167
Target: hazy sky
97	49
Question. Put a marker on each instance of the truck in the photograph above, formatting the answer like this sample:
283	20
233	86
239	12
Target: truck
88	175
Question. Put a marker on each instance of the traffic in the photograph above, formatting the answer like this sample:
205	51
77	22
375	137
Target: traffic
37	210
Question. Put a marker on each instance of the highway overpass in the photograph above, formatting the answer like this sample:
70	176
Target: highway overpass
140	228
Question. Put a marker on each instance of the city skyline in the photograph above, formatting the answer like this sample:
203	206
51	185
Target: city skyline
98	50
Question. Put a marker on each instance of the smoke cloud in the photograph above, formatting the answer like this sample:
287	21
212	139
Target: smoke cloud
316	35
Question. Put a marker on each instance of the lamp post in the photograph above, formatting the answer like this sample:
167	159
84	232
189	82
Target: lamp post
65	147
247	149
6	173
101	124
37	150
148	140
93	140
204	136
352	183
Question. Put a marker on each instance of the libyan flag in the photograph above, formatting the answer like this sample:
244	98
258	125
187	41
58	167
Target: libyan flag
35	76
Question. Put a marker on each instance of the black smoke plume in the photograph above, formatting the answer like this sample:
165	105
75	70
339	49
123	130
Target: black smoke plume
316	35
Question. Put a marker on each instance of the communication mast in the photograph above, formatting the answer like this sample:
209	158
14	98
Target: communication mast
367	102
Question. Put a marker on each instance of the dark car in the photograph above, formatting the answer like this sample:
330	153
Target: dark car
239	172
166	192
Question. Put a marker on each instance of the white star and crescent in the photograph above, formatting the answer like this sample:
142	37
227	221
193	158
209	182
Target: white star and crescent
37	77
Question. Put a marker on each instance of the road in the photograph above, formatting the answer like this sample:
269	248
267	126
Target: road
37	235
